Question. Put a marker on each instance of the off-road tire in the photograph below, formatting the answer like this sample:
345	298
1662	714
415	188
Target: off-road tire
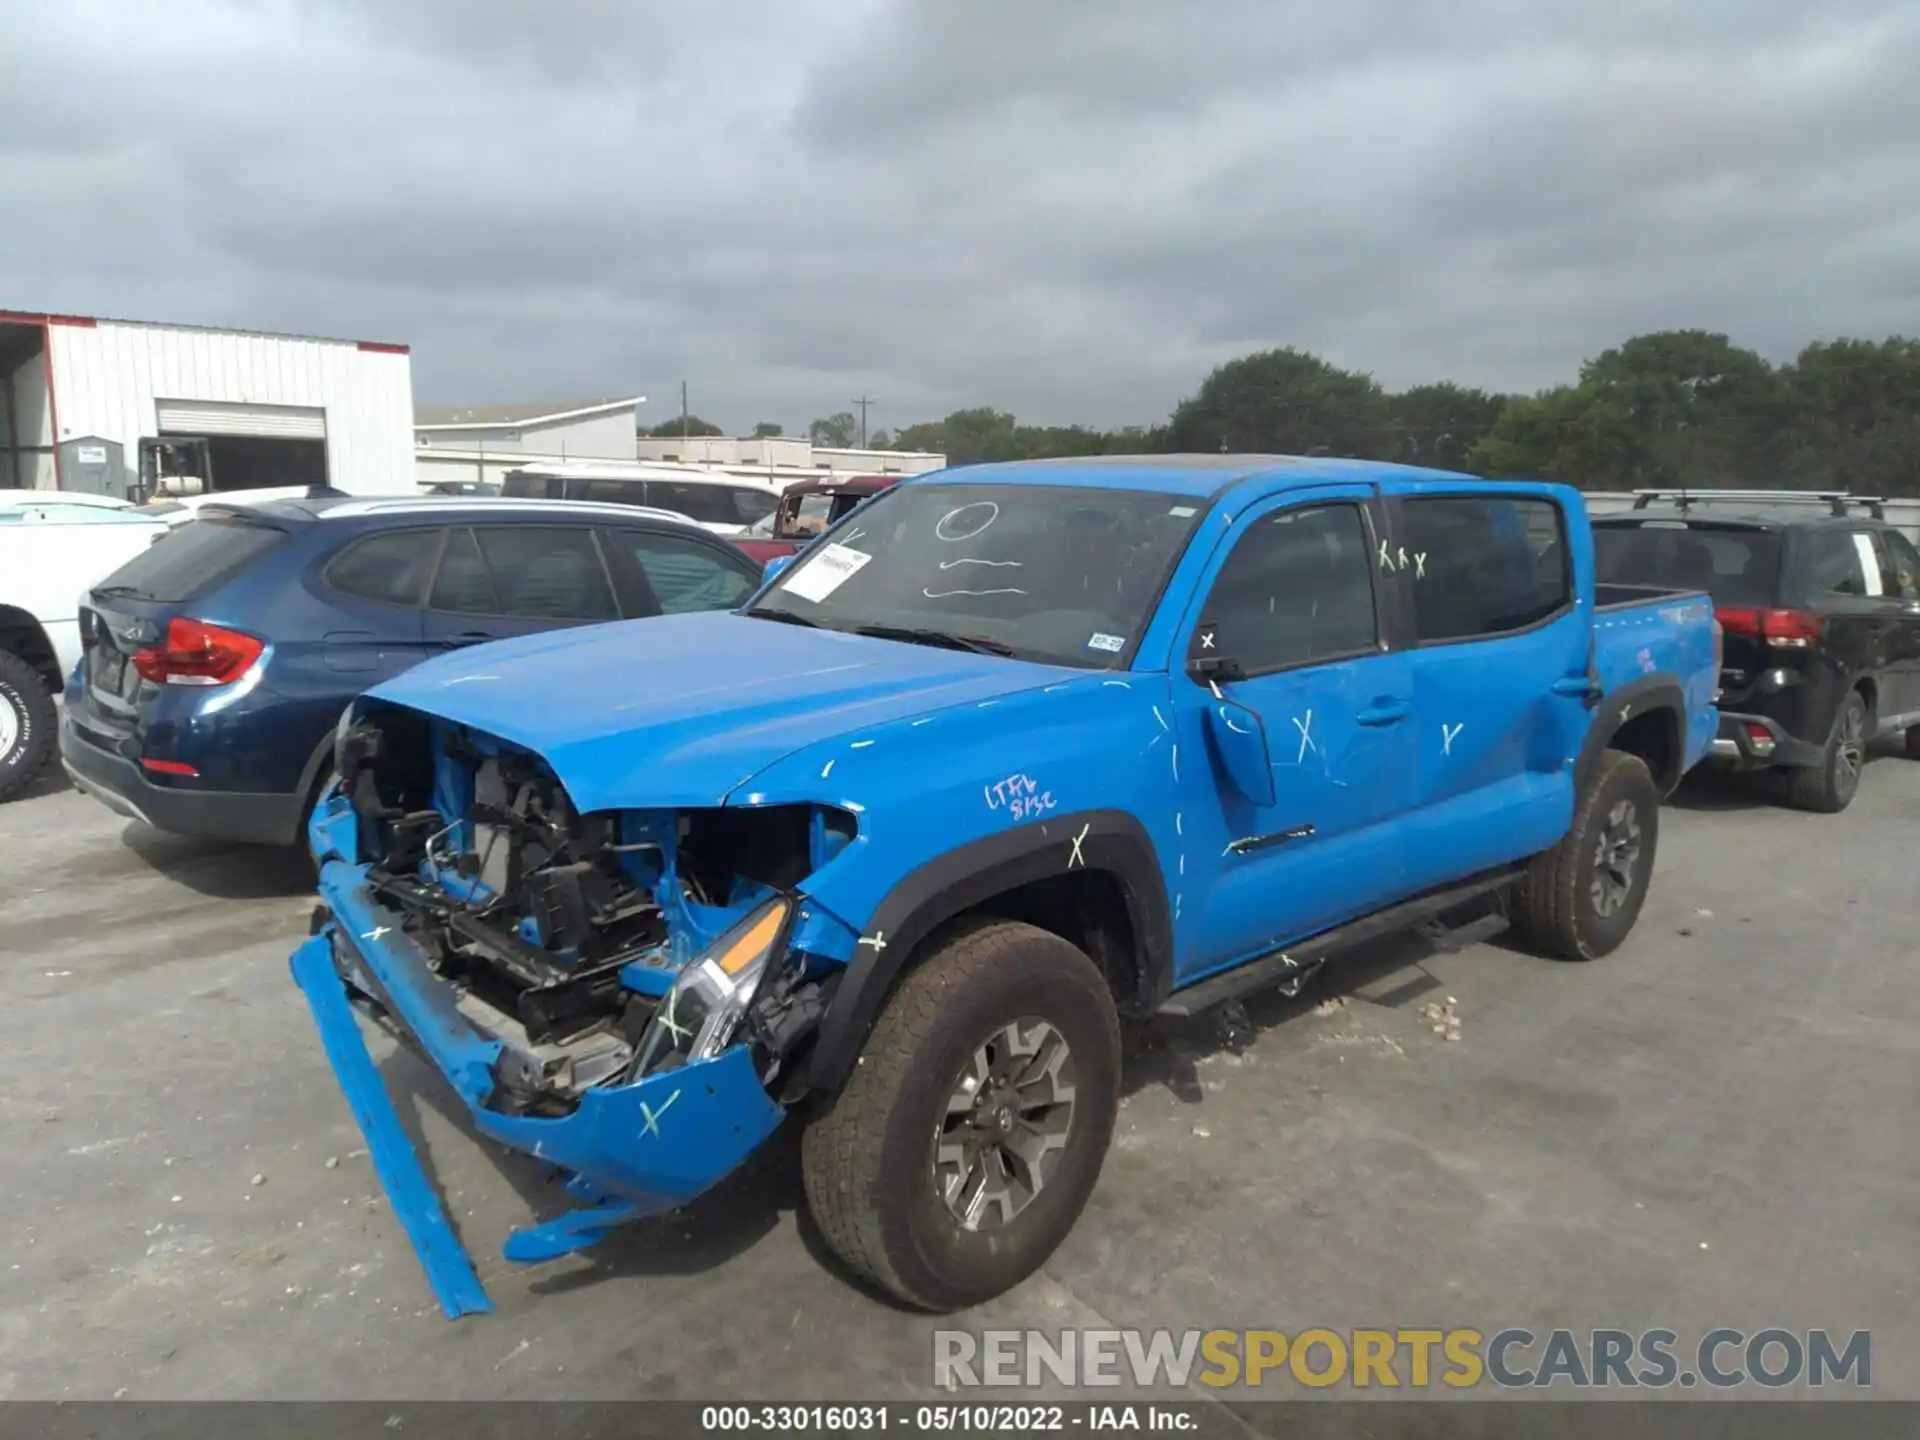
867	1155
35	727
1828	786
1913	742
1554	911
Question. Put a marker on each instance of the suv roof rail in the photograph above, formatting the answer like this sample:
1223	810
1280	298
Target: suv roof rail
1836	501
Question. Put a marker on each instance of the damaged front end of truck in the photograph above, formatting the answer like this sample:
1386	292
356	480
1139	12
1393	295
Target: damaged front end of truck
625	994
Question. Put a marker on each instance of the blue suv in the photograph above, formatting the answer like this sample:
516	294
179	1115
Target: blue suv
217	662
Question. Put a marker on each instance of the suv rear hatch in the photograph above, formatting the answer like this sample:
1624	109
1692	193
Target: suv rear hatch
140	630
1735	562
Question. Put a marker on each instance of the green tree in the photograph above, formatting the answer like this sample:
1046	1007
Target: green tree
835	432
675	428
1438	425
1676	407
1284	402
1855	407
766	430
879	441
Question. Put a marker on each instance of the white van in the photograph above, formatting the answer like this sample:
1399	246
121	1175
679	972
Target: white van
725	504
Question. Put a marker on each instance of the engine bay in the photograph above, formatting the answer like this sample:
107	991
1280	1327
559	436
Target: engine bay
565	934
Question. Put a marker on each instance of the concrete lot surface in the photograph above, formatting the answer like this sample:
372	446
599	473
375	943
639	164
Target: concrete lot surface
1713	1127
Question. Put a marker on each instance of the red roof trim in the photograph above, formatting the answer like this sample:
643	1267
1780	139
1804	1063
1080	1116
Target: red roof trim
382	347
27	317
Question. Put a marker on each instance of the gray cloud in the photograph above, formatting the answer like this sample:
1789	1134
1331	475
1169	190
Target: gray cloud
1071	210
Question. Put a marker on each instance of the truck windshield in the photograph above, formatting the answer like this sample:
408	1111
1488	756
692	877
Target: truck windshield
1736	565
1062	574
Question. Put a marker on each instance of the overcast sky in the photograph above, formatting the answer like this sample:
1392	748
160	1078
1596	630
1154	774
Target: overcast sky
1070	209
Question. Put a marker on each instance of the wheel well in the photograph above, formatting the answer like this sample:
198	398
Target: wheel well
1086	908
20	634
1870	693
1654	736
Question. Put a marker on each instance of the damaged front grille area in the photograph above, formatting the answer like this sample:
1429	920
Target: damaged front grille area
568	937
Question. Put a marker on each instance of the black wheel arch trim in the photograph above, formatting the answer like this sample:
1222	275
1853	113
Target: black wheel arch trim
1650	694
1112	842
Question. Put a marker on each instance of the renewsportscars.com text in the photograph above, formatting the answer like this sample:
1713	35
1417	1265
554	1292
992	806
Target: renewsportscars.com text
1402	1358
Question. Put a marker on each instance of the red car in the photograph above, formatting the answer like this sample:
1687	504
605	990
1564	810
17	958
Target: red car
807	507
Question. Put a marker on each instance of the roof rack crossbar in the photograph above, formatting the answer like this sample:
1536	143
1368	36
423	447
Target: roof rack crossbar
1835	500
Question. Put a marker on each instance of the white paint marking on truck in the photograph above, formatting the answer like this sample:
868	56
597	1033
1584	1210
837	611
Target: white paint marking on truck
1448	733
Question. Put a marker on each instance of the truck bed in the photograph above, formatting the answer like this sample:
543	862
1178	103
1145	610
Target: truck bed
1648	636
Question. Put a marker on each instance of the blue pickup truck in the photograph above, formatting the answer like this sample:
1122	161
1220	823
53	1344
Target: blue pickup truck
1011	754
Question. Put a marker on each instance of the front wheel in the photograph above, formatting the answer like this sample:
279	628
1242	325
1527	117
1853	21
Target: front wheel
1579	900
967	1140
27	724
1828	786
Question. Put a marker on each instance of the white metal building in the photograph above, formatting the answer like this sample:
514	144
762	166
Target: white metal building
481	443
92	404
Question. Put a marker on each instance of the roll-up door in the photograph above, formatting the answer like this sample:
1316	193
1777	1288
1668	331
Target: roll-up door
206	417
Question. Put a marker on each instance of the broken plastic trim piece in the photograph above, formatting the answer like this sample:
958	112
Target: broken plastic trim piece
442	1256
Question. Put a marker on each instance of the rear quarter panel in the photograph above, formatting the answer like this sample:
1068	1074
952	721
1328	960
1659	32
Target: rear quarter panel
1667	637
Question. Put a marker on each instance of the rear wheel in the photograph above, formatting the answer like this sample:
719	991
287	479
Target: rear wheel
1579	900
1828	786
27	724
965	1144
1913	742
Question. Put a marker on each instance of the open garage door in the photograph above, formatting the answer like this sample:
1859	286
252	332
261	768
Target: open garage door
202	417
251	447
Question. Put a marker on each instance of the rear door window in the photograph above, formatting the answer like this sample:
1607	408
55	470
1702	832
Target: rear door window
752	505
463	585
391	568
1482	564
609	492
709	504
1735	566
193	558
1899	566
547	572
1841	563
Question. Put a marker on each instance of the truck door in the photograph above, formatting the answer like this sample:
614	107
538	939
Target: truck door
1290	619
1500	673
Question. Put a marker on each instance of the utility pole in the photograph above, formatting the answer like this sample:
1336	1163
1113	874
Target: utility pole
863	402
683	410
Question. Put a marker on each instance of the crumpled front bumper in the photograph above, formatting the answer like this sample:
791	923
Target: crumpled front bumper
628	1150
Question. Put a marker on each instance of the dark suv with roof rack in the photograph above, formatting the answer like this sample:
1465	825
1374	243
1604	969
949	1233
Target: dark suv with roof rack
1819	600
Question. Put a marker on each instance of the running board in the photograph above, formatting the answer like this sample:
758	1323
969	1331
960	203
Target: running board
1289	969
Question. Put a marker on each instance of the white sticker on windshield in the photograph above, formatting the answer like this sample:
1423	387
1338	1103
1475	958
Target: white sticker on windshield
1182	511
1113	644
1869	563
825	572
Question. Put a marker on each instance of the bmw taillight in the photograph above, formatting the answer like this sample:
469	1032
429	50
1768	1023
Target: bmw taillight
196	653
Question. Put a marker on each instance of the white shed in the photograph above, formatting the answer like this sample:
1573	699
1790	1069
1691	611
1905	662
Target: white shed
126	406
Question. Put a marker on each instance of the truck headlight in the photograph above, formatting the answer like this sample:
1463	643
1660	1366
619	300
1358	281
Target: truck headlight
703	1010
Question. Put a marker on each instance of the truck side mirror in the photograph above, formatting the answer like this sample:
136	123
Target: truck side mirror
1239	740
774	567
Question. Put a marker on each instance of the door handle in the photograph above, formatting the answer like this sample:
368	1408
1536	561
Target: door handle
1580	687
1384	711
469	637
